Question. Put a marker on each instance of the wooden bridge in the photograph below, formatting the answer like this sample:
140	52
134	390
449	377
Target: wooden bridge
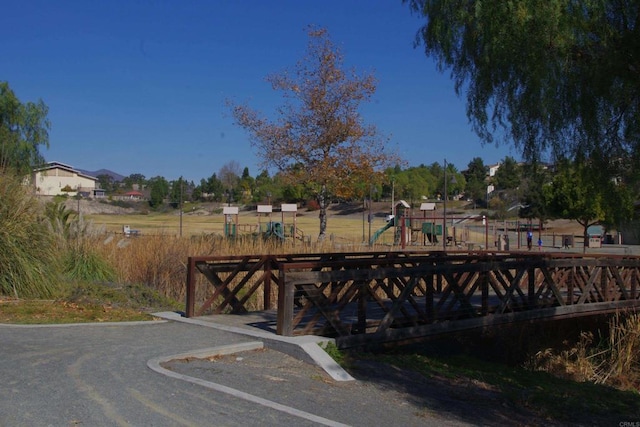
366	297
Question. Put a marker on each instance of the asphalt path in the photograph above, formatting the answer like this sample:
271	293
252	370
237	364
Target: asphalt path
97	375
102	375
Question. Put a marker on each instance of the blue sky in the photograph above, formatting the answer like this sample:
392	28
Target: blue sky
139	86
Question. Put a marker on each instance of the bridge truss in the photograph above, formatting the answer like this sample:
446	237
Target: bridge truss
388	296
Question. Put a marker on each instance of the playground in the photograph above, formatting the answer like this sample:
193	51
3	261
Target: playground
266	228
426	227
357	225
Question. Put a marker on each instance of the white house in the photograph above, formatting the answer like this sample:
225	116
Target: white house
57	178
493	169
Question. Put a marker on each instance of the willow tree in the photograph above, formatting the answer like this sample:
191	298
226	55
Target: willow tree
23	129
318	136
552	75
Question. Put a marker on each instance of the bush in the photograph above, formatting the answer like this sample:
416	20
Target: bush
28	265
84	264
313	205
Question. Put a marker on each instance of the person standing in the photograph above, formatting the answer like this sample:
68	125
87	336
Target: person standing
529	239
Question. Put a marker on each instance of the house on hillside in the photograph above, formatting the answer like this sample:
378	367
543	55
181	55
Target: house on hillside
493	169
57	178
132	195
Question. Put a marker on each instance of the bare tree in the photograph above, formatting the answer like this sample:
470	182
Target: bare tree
230	174
319	137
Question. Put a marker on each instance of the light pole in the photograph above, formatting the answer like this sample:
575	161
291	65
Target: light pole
78	197
444	215
370	203
393	190
364	208
371	191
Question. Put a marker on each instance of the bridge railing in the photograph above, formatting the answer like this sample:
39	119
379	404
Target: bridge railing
241	283
358	297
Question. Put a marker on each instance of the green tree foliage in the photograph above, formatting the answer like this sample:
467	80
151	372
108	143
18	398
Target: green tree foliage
476	180
179	191
414	183
508	176
28	252
211	189
106	182
266	190
455	181
159	191
247	185
560	75
319	137
535	192
582	191
134	178
23	129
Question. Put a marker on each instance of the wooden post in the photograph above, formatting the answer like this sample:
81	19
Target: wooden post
285	305
531	294
267	283
428	298
362	309
191	288
485	292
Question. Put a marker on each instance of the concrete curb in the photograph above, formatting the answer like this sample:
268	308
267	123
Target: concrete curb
306	348
155	364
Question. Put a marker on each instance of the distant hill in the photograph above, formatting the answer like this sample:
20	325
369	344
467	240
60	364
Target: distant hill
116	176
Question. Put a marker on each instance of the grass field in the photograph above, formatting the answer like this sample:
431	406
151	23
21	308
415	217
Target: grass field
346	224
348	228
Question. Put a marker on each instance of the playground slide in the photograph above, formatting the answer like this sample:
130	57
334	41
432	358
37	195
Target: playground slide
378	233
275	229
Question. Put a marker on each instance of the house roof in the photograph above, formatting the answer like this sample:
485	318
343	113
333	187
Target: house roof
134	194
59	165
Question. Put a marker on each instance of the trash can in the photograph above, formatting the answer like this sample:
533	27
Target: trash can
567	241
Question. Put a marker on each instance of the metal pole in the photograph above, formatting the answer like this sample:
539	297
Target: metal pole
364	208
370	203
486	234
444	214
393	190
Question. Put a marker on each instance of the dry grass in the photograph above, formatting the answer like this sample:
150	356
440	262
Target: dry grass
160	261
344	232
60	311
614	360
158	257
343	228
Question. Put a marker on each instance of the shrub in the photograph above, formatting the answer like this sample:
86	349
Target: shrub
85	264
313	205
28	265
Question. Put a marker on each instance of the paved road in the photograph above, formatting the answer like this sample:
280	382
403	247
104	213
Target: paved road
98	375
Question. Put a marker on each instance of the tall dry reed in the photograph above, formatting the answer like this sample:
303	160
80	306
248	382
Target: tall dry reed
160	261
613	360
28	256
